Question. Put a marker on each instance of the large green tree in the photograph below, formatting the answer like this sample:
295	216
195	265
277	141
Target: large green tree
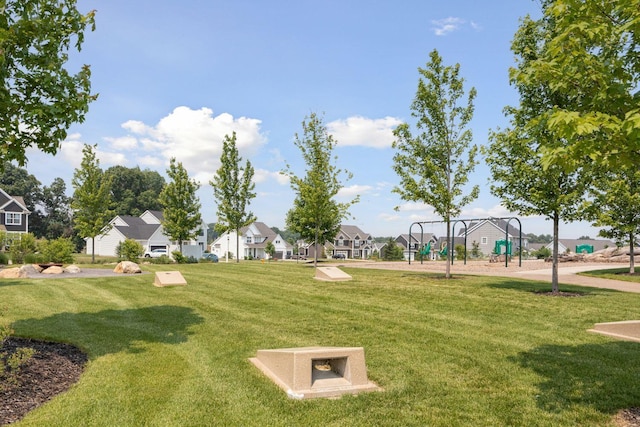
91	201
519	175
233	190
56	206
135	190
316	215
434	164
40	98
182	218
589	54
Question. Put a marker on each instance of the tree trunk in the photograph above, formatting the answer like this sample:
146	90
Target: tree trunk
554	263
93	250
632	250
447	273
315	255
238	245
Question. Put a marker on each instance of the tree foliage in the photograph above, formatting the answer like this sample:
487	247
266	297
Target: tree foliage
392	251
40	98
181	215
589	55
135	190
91	199
434	165
233	190
521	178
316	215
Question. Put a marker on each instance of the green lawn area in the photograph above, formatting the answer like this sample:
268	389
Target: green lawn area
470	351
615	274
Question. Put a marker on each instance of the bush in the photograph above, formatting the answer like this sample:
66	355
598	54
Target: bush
459	252
58	251
4	259
543	253
10	364
162	259
22	247
129	250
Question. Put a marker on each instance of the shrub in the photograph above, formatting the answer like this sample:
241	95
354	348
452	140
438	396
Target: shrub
22	247
543	253
59	250
129	250
459	251
11	363
4	259
162	259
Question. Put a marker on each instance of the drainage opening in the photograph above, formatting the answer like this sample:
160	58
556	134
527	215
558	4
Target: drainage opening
329	372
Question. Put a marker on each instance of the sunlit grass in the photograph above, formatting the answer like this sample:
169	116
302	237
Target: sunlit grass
615	274
475	351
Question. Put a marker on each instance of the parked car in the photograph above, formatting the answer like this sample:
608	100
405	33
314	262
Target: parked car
156	253
339	256
210	257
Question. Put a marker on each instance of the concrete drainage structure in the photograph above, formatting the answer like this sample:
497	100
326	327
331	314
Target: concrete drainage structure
309	372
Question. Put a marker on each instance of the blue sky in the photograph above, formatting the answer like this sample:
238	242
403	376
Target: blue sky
175	77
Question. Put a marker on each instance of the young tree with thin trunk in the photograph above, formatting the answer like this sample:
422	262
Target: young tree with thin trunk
233	190
181	207
316	215
432	165
91	199
39	97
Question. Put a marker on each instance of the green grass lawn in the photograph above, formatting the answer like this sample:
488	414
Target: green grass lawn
470	351
615	274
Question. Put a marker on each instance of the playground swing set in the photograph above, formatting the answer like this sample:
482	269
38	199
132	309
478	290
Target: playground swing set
502	247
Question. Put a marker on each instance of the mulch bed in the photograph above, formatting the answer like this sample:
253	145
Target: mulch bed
52	370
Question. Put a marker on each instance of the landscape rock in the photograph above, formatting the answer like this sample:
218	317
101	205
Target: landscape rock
54	269
72	269
31	269
12	273
127	267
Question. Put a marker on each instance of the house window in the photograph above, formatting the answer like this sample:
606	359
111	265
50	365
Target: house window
483	240
13	218
277	242
340	242
248	239
356	243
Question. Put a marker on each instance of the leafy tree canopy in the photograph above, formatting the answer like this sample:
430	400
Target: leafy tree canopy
39	97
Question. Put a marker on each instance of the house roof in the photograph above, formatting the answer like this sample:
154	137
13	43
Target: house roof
500	224
136	228
352	231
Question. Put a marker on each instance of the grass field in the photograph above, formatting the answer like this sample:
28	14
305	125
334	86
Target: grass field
470	351
615	274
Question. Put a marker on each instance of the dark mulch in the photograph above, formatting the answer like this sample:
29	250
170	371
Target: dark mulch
52	370
629	417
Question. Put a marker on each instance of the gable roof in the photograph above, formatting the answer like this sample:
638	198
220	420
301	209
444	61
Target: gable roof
136	228
352	231
498	223
18	201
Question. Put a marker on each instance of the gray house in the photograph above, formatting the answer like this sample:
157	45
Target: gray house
14	215
486	233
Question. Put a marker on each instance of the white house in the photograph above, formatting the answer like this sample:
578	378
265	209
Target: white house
253	241
147	230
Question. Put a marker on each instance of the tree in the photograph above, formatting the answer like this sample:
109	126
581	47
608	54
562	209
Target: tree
57	219
431	165
135	190
588	52
614	205
270	250
181	215
315	215
233	190
392	251
40	98
521	178
91	199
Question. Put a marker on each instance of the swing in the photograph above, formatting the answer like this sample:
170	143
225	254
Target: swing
444	250
426	250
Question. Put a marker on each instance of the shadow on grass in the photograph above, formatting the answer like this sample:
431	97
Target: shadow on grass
539	287
601	376
113	331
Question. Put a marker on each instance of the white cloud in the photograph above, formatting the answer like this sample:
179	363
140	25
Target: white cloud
362	131
353	190
442	27
193	137
123	143
71	150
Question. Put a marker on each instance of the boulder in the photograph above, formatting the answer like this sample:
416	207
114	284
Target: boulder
72	269
127	267
54	269
31	269
12	273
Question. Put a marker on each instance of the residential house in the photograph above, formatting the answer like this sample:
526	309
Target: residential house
487	232
252	243
412	244
148	231
14	215
352	242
